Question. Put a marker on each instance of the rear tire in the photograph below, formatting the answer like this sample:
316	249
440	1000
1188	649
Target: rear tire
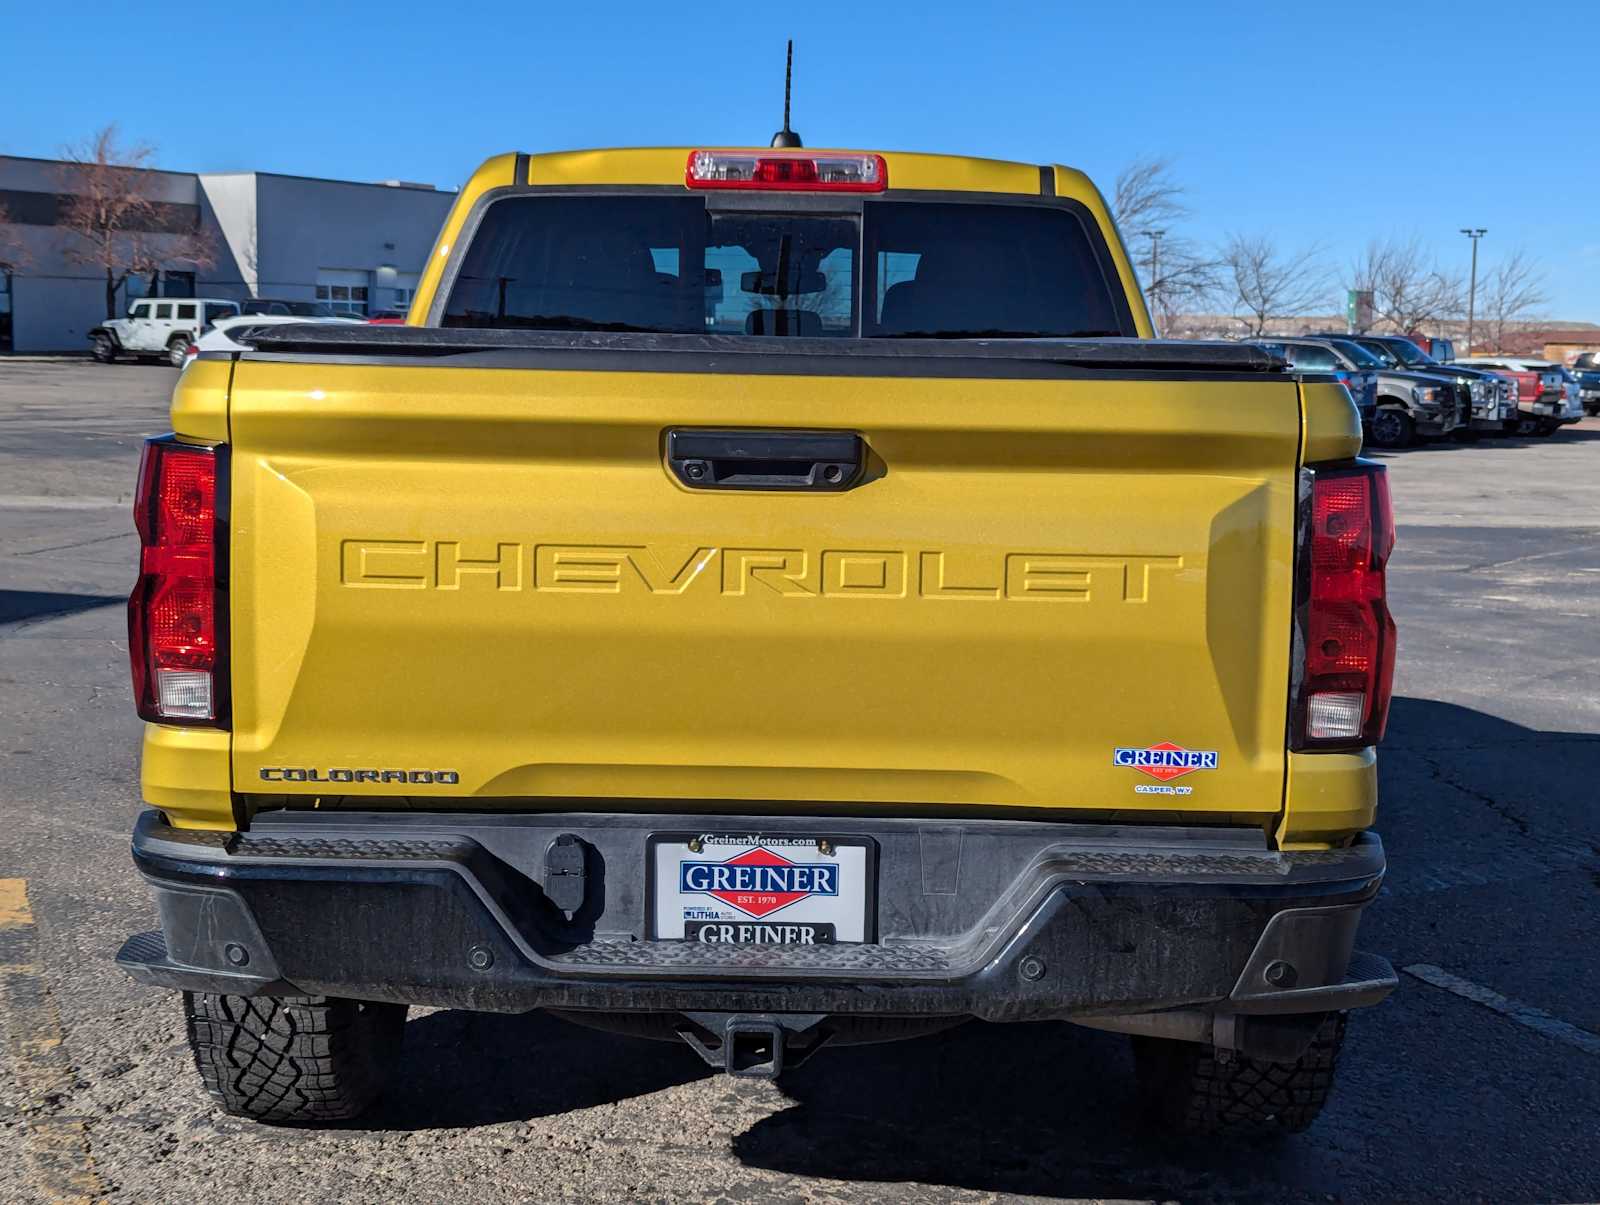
294	1059
1547	428
177	350
104	349
1393	428
1186	1088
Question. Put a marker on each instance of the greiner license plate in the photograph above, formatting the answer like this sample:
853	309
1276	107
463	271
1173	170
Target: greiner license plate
761	888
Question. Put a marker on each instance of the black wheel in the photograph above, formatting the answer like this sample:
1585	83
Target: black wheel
1393	429
292	1059
177	350
104	349
1547	427
1186	1088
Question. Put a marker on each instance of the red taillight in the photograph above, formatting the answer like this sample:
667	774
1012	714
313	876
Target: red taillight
809	171
177	613
1346	633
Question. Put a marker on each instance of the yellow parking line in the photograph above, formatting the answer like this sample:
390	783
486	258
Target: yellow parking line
14	910
57	1148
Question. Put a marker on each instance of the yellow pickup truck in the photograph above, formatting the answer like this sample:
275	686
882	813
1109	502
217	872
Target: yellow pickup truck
769	599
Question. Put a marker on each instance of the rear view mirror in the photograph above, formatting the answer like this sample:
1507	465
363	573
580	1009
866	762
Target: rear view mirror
767	284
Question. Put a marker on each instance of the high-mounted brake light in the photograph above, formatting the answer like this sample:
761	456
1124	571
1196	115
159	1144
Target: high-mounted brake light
1345	631
177	612
791	171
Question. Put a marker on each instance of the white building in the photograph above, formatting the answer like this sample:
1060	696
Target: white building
359	247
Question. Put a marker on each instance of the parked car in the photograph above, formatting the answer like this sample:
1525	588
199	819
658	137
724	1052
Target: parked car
1494	409
1354	367
159	327
1587	369
221	337
1541	400
1411	404
279	307
415	638
1485	399
1571	394
1441	349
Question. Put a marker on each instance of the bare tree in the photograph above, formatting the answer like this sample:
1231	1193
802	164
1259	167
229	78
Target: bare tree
13	250
1261	282
1510	292
1148	204
1147	196
115	224
1409	288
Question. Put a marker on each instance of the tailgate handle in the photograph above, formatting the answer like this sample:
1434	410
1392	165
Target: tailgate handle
823	461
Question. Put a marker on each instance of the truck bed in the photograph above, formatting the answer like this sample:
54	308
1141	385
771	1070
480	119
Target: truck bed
464	571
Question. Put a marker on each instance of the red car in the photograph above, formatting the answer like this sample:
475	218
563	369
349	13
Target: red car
1540	403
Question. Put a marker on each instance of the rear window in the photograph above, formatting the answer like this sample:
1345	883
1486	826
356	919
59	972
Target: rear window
664	263
954	270
1308	357
1358	355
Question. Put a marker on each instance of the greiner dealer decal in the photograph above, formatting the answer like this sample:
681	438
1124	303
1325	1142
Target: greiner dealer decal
1164	761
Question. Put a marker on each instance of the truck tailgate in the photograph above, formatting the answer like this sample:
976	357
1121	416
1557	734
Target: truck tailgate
484	583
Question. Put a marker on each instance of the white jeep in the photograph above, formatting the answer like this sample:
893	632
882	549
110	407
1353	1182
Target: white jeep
159	326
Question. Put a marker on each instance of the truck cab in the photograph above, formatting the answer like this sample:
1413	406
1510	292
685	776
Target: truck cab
770	600
1587	369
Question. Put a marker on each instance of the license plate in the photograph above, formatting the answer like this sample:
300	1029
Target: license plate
761	888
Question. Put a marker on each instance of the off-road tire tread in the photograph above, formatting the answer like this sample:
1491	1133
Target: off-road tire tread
292	1058
1188	1089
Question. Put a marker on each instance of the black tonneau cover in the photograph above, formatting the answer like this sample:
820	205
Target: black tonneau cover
485	347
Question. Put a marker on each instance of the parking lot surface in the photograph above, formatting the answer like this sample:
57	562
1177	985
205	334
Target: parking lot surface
1479	1079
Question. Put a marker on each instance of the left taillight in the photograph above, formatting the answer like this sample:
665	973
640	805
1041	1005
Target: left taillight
1344	632
178	610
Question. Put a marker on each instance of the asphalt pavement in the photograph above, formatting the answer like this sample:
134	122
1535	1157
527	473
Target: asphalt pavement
1479	1079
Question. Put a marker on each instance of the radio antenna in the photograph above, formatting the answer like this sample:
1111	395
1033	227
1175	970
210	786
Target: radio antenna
786	136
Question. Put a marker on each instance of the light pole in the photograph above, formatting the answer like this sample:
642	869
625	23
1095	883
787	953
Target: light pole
1473	233
1155	237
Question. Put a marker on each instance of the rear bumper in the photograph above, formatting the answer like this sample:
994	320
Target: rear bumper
1000	920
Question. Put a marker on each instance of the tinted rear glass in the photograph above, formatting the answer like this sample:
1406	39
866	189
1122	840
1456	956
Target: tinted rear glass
1360	356
669	264
1407	352
1309	357
1380	352
957	269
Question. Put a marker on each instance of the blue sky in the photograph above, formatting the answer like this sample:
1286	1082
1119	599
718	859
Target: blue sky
1317	124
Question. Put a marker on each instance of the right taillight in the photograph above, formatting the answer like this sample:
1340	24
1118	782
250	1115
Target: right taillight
1344	632
177	612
